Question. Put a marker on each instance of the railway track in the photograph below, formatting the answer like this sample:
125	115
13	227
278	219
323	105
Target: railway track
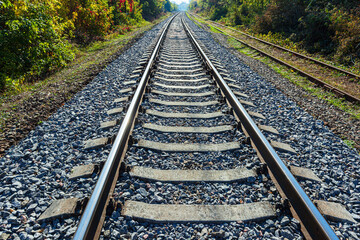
191	150
183	107
311	75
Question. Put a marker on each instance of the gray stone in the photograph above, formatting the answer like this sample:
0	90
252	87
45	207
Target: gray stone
4	236
285	221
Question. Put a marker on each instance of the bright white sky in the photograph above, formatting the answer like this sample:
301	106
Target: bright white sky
180	1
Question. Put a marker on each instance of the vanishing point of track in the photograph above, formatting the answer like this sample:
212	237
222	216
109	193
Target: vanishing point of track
181	82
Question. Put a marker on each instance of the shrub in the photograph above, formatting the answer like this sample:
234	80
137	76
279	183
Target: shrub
347	35
29	41
217	13
151	8
126	12
316	32
92	19
281	16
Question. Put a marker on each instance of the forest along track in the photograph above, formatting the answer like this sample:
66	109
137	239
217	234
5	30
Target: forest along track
196	159
345	85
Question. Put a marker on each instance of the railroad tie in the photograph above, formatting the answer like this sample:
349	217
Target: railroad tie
184	115
183	176
202	94
181	80
179	129
182	103
182	87
198	213
188	147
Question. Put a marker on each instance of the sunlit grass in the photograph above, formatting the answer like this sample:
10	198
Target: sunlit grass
341	103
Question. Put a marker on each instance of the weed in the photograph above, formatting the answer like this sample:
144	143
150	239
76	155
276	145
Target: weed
341	103
350	143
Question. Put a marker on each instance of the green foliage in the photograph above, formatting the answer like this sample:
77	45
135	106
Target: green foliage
217	13
167	6
280	16
30	43
152	8
35	35
347	35
92	19
328	27
315	32
126	12
237	12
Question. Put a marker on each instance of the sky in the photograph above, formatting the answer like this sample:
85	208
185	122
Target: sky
180	1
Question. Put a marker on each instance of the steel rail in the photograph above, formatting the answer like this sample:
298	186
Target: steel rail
287	50
94	214
312	219
313	79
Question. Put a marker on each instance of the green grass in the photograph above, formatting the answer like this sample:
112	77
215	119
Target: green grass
352	109
311	88
197	22
349	143
215	30
281	40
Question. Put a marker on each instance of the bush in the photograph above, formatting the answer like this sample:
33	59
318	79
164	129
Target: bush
151	8
217	13
30	43
281	16
2	81
92	19
347	35
316	32
126	12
